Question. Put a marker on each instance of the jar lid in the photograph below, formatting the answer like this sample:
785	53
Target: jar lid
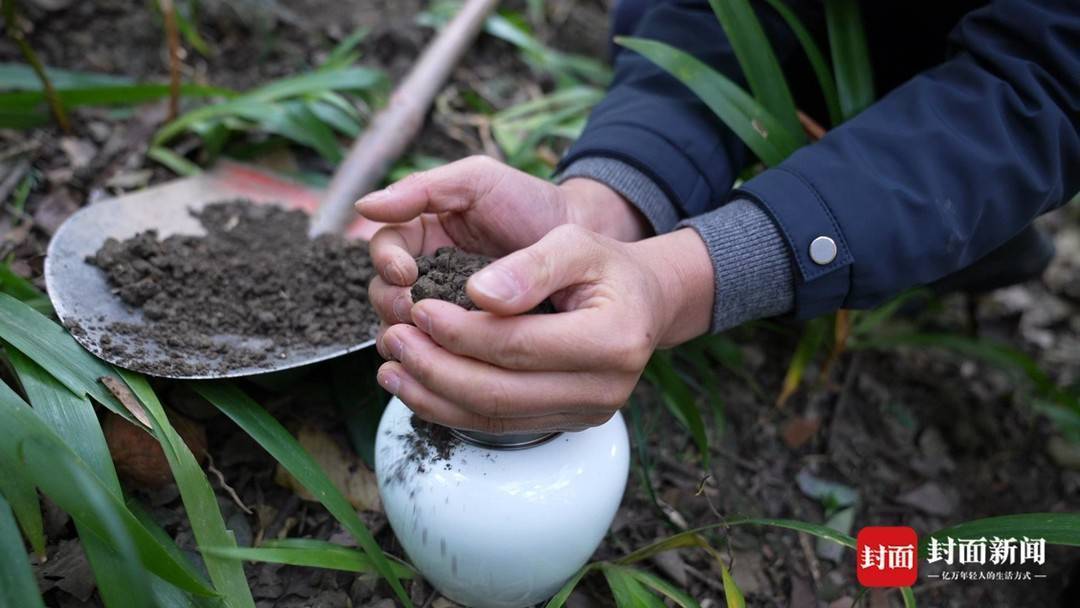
508	441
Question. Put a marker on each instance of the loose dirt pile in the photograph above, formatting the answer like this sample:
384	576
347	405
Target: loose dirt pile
255	287
443	276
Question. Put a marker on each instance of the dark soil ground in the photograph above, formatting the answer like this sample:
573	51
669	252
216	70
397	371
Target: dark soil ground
255	275
925	438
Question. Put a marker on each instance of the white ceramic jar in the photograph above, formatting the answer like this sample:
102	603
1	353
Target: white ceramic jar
499	527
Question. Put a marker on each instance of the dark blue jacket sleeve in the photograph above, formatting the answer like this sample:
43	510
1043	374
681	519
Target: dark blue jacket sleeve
945	168
655	124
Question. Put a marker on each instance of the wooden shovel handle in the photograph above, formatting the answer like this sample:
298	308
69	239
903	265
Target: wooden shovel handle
394	127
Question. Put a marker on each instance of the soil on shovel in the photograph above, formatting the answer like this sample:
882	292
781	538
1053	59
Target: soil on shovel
443	276
255	275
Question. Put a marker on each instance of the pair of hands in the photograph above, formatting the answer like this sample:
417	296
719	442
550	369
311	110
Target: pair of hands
619	297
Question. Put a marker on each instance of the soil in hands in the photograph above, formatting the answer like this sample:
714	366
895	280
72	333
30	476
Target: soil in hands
443	276
253	289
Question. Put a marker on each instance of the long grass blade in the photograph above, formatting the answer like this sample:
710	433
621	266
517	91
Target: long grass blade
100	502
51	347
17	585
198	496
816	58
626	590
758	128
809	344
327	555
909	597
659	585
757	59
273	437
851	59
1055	528
50	471
73	418
733	596
679	399
23	290
559	599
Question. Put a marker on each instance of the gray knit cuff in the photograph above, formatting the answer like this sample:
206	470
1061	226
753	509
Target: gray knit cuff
751	263
633	185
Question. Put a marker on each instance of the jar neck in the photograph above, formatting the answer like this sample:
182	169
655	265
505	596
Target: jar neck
510	441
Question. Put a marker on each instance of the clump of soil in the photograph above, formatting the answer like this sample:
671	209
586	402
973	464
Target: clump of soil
254	287
443	276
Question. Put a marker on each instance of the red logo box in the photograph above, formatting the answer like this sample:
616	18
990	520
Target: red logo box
888	556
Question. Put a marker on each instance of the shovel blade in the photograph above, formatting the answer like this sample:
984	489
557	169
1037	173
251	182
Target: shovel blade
86	304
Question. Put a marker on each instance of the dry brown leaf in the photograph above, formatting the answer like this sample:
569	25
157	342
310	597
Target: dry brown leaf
348	473
127	399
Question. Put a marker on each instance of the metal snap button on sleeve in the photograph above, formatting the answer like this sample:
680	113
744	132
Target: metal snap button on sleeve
823	250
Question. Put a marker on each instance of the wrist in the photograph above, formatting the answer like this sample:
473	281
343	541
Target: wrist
680	264
597	207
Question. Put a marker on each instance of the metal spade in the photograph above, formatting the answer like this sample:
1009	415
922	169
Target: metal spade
85	302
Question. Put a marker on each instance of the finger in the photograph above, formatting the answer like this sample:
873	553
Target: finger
580	340
393	304
518	282
393	249
431	407
452	187
498	393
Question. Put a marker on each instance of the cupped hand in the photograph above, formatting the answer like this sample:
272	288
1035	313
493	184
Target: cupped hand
492	371
480	205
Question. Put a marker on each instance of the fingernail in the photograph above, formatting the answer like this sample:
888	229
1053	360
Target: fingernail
401	308
395	346
422	320
496	283
389	381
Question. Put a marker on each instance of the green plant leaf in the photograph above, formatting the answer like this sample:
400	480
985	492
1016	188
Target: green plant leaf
173	161
663	587
51	471
17	584
626	590
322	555
559	599
198	496
733	596
851	59
344	54
817	530
73	418
51	347
1056	528
273	437
809	344
679	399
908	596
762	132
21	77
816	57
298	123
23	290
100	504
758	61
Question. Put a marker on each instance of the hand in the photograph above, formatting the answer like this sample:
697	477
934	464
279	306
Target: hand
490	371
482	206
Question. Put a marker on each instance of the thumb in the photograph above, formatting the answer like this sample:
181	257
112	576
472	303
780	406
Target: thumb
522	280
452	187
